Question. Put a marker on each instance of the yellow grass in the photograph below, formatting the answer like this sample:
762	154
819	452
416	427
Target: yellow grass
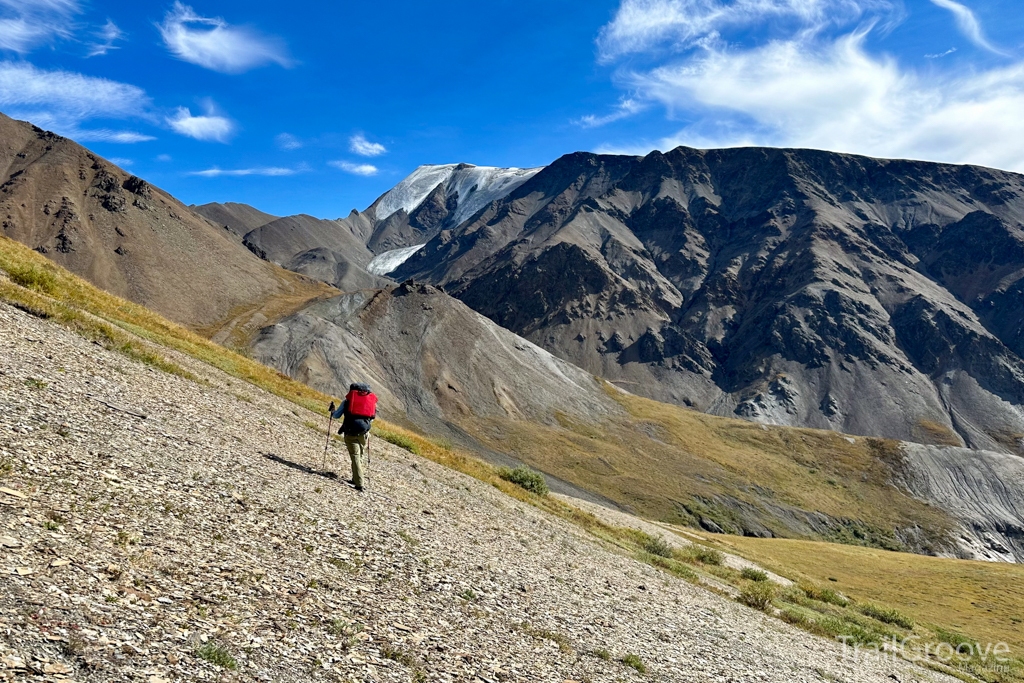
662	460
982	599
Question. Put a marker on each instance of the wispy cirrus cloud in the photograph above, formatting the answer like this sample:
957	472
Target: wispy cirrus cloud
626	108
940	55
272	171
968	24
358	144
212	43
646	25
210	126
355	169
62	101
810	84
288	142
125	137
107	36
27	24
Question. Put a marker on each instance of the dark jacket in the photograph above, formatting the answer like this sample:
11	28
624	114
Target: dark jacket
352	426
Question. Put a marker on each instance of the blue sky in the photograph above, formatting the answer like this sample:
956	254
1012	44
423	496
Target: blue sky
319	107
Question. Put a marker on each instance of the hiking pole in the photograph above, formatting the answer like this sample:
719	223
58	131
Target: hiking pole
330	422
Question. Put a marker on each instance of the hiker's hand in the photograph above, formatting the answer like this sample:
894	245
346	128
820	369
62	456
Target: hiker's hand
331	409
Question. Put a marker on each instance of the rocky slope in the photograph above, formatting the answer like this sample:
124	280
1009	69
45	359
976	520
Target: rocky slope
152	525
786	286
431	358
984	491
129	237
325	250
239	219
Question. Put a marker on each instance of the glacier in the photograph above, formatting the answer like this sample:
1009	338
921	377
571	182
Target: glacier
384	263
475	186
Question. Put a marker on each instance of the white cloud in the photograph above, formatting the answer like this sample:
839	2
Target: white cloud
288	142
164	158
626	108
108	35
62	101
940	55
121	161
358	144
968	24
107	135
25	86
355	169
209	127
829	91
644	25
214	44
26	24
216	172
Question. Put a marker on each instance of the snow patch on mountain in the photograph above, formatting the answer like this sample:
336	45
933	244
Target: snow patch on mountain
382	264
475	187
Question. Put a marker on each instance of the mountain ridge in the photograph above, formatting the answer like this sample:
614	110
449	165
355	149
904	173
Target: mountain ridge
770	284
132	238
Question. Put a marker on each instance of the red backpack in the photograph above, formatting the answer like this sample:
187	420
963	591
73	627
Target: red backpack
362	404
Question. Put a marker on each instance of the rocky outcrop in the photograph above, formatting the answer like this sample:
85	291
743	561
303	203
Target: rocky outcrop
787	286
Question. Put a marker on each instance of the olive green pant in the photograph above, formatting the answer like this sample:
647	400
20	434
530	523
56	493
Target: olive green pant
356	448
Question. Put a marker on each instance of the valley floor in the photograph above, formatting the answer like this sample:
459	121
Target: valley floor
150	548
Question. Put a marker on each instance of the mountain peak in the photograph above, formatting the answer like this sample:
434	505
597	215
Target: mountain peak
472	186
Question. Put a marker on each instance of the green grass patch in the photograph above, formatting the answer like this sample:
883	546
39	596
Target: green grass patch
546	634
216	654
34	276
634	661
401	440
525	478
751	574
655	545
826	595
887	615
699	555
758	594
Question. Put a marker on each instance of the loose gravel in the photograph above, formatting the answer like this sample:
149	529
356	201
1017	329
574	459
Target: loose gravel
158	529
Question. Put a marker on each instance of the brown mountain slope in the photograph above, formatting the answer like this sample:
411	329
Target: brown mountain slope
326	250
133	239
235	217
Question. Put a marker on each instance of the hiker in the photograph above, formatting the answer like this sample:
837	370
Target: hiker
358	410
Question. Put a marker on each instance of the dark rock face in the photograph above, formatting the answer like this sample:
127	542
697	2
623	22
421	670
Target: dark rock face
786	286
138	186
